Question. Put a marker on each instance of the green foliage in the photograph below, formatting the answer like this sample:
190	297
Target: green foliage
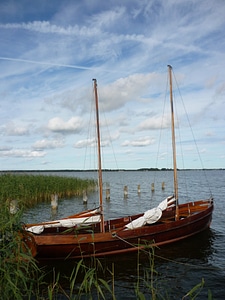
194	292
19	273
84	283
32	189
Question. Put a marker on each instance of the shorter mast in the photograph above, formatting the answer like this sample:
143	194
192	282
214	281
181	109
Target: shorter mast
173	143
99	156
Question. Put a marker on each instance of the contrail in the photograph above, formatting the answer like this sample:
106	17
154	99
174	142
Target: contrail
47	63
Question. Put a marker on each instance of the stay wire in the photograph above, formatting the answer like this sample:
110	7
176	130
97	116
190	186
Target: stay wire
194	139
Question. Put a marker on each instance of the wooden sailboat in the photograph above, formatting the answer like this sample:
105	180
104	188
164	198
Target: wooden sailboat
87	234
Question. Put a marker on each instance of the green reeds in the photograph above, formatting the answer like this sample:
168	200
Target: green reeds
20	276
32	189
84	282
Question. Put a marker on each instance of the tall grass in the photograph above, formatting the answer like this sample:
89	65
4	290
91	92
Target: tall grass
20	276
32	189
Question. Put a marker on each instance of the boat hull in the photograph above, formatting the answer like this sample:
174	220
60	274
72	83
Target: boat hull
194	218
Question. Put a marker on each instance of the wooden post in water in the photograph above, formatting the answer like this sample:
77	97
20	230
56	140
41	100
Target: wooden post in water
125	191
108	193
163	185
54	201
85	198
13	207
153	187
139	189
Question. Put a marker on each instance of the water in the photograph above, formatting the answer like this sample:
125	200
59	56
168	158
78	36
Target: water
180	266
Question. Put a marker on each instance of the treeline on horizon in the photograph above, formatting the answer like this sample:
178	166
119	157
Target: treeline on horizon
105	170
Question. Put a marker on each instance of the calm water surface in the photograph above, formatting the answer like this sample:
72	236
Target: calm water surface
179	266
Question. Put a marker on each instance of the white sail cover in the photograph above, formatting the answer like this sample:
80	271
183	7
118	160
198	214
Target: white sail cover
152	215
67	222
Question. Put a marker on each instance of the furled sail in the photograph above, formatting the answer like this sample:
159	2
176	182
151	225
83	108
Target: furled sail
82	219
152	215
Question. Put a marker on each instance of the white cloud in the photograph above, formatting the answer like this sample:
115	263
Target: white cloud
141	142
5	148
155	123
124	90
11	129
90	143
85	143
57	124
48	144
19	153
107	18
47	27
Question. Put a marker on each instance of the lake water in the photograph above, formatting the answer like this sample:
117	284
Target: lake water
180	266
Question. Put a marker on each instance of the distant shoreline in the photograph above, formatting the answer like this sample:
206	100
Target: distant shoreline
104	170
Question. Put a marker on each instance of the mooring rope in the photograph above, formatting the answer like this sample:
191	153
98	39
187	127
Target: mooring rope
142	248
114	234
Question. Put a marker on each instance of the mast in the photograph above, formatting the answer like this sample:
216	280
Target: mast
173	143
99	156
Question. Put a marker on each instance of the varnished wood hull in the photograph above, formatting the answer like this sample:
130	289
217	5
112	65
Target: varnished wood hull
50	245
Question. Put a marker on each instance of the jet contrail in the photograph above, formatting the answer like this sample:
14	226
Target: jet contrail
46	63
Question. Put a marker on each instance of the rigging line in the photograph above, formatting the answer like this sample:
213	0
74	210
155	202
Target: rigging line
191	129
111	145
89	136
184	264
161	127
178	131
177	119
110	139
156	177
161	257
114	234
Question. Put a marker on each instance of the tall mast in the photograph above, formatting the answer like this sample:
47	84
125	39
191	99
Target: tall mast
173	142
99	156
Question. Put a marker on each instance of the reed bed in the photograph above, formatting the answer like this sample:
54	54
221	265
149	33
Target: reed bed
19	273
30	190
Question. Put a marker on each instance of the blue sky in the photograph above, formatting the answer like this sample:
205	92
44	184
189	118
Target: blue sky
51	50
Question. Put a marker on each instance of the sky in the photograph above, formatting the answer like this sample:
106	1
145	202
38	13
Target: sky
50	52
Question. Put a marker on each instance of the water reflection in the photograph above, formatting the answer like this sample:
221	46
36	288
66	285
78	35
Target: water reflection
199	247
175	268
